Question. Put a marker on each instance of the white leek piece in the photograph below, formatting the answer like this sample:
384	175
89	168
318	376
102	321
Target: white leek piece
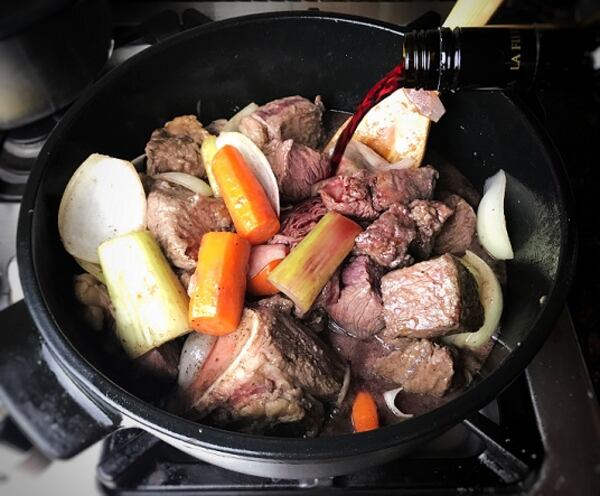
150	303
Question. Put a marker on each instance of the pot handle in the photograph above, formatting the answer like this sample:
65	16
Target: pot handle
32	389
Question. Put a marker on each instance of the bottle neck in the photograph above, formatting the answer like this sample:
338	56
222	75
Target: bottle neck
496	58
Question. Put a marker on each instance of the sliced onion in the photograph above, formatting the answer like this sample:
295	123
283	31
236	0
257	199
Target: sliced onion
257	161
491	223
262	255
490	294
405	163
233	124
91	268
427	103
103	199
194	353
390	400
188	181
345	387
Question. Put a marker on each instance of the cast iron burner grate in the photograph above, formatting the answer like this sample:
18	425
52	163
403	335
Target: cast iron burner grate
528	448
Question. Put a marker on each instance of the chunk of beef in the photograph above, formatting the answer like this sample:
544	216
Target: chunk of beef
429	217
277	302
299	221
401	186
98	311
358	309
293	117
271	370
458	232
178	219
176	147
419	366
160	364
362	355
430	299
187	126
296	167
349	195
452	181
387	239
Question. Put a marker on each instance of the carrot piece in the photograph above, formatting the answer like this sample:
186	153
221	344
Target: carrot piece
364	412
245	198
217	300
259	284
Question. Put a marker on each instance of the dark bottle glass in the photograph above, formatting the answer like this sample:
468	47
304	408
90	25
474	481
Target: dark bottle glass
499	57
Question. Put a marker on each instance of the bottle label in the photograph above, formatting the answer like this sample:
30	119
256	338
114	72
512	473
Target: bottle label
515	50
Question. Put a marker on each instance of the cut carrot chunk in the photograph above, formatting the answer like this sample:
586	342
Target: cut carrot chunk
245	198
259	285
217	300
364	412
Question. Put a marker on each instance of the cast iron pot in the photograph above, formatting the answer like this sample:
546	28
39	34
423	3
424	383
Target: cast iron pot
213	70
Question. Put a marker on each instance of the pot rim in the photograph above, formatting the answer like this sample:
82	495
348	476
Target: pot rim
112	396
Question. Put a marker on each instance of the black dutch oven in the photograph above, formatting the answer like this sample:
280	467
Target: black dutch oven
62	390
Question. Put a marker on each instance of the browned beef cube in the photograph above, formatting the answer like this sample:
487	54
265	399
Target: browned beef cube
160	364
178	219
419	366
458	232
401	186
429	217
299	221
176	147
187	125
296	167
358	307
387	239
349	195
293	117
271	370
430	299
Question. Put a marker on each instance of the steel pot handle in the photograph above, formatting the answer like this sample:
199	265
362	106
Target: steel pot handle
59	423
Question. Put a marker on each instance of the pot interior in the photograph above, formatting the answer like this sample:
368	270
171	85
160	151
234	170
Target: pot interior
215	70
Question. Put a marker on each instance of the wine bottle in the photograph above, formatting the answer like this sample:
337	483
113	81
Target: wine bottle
500	57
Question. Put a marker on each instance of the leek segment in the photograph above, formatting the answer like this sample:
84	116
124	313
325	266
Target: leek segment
304	272
150	303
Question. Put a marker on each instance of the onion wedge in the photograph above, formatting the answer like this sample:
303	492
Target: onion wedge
256	161
491	223
390	400
233	124
491	297
194	353
188	181
103	199
91	268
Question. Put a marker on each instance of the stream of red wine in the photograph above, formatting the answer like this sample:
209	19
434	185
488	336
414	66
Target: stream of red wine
385	87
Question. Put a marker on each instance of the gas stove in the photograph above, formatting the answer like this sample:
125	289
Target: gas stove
540	436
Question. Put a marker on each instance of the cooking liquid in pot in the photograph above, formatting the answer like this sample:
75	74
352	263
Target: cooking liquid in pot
382	89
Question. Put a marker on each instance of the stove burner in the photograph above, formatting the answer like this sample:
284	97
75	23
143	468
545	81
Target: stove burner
20	148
